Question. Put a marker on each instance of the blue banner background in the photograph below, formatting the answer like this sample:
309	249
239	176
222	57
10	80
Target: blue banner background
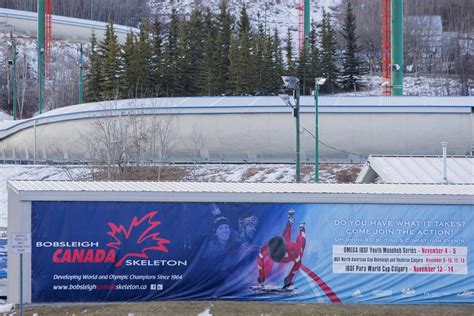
216	271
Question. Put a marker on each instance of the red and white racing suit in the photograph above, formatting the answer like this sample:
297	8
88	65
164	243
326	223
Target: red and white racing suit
294	253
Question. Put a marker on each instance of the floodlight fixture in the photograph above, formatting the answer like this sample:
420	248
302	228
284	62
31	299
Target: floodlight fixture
291	82
320	81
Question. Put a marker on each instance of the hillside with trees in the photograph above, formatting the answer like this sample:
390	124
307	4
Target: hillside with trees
222	48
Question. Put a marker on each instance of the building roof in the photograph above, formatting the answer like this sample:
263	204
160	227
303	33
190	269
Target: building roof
241	192
417	169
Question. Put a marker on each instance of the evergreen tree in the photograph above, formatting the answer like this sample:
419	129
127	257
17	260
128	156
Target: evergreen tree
314	66
93	76
112	84
157	56
225	21
173	29
144	52
195	50
263	60
235	84
207	72
183	63
130	59
351	66
244	23
328	54
169	80
277	68
290	63
303	73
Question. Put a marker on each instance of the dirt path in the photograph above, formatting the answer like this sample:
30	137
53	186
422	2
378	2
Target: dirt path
246	308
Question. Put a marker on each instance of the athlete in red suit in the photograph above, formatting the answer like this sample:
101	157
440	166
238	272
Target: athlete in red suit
282	250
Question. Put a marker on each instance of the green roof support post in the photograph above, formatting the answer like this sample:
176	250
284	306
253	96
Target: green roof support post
81	80
397	47
307	20
41	28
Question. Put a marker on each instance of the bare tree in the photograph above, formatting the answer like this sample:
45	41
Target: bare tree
138	132
105	140
166	138
63	89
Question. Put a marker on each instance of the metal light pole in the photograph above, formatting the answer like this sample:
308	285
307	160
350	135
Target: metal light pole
81	67
298	145
90	9
294	84
397	47
318	82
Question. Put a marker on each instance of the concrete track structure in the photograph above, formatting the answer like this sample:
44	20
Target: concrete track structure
241	129
64	28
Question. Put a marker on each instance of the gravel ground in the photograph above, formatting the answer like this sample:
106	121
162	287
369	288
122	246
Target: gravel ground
206	308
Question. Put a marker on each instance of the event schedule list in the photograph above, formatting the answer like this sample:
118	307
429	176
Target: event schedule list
399	259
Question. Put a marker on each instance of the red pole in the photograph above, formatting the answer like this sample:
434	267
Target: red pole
300	8
386	47
48	35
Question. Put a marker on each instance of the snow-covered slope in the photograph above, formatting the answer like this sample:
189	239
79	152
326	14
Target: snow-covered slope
280	14
4	116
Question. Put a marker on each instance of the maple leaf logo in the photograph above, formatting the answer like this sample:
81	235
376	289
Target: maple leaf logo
139	236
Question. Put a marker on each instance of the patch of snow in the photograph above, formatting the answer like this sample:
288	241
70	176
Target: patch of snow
6	308
206	312
412	85
5	117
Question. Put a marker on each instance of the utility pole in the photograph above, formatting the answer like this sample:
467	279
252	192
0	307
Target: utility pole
293	83
81	80
397	47
298	144
41	29
316	133
307	19
318	82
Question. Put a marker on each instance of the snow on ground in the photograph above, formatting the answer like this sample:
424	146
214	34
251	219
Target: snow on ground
412	85
26	46
206	312
23	172
256	173
5	117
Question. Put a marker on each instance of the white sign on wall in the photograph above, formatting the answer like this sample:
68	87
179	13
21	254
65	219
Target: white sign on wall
21	243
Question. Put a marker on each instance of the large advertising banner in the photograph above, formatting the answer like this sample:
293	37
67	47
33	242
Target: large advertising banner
331	253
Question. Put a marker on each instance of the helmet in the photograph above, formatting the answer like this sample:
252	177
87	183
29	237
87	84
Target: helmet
277	248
